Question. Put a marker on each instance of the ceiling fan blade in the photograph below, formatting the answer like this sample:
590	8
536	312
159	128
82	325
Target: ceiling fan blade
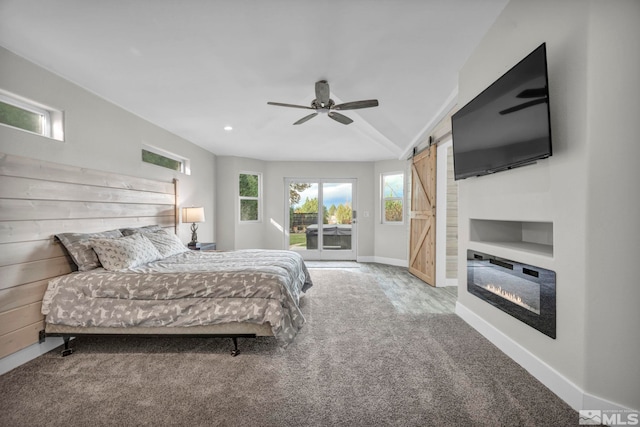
340	118
356	104
305	118
322	92
522	106
533	93
280	104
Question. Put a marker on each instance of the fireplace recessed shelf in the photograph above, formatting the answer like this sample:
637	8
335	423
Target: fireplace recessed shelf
526	236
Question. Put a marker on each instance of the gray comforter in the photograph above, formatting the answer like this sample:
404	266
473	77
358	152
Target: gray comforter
191	288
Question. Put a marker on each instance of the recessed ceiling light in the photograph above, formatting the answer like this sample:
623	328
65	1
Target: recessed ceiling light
228	128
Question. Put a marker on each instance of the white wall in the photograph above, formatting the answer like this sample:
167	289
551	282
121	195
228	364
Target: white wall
391	240
375	241
231	233
103	136
225	213
613	204
100	135
584	189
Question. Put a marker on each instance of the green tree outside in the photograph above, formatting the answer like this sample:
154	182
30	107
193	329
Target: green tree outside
159	160
249	185
311	206
20	118
332	210
295	188
393	210
343	214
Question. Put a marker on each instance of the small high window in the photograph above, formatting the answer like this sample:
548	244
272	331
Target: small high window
250	196
392	198
20	113
163	158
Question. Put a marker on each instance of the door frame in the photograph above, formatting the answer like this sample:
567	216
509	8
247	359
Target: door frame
324	254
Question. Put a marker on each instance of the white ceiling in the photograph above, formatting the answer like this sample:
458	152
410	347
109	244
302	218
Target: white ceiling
193	67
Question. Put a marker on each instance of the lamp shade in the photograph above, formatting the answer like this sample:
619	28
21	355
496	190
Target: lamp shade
193	214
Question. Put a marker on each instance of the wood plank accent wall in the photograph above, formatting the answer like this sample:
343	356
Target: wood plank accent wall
40	199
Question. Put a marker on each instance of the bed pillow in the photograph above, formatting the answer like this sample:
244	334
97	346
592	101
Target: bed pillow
79	247
145	229
166	243
125	252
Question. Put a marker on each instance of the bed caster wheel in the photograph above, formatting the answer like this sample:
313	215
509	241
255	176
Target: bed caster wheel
235	350
67	352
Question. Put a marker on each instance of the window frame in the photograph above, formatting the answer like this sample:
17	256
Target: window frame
52	119
383	199
185	163
241	198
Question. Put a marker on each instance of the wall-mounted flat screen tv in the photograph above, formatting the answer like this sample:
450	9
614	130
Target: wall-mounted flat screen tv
507	125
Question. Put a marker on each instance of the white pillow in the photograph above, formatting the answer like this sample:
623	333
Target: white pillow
166	243
125	252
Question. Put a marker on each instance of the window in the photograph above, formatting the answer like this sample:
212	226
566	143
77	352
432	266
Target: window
165	159
160	160
392	198
30	116
250	194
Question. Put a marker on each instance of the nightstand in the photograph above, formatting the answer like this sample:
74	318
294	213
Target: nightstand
203	247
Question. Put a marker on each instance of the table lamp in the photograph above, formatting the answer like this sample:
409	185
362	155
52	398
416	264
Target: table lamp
193	215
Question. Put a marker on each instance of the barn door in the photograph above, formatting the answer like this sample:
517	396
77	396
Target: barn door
422	241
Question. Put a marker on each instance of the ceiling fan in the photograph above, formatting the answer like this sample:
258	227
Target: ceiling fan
324	104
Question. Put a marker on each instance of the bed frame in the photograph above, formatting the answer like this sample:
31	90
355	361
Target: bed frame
230	330
39	199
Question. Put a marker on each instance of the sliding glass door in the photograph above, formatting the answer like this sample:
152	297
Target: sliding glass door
321	223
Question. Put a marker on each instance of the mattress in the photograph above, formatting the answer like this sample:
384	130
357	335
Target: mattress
187	290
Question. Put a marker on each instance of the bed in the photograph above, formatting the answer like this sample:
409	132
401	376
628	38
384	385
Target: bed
140	286
40	200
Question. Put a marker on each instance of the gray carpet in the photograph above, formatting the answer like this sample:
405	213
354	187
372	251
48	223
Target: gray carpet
357	362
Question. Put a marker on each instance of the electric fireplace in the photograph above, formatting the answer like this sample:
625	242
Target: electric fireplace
526	292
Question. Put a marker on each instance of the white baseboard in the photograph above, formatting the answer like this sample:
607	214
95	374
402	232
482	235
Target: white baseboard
383	260
594	402
21	357
555	381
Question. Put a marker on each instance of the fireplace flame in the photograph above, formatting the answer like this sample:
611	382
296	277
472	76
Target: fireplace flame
516	299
